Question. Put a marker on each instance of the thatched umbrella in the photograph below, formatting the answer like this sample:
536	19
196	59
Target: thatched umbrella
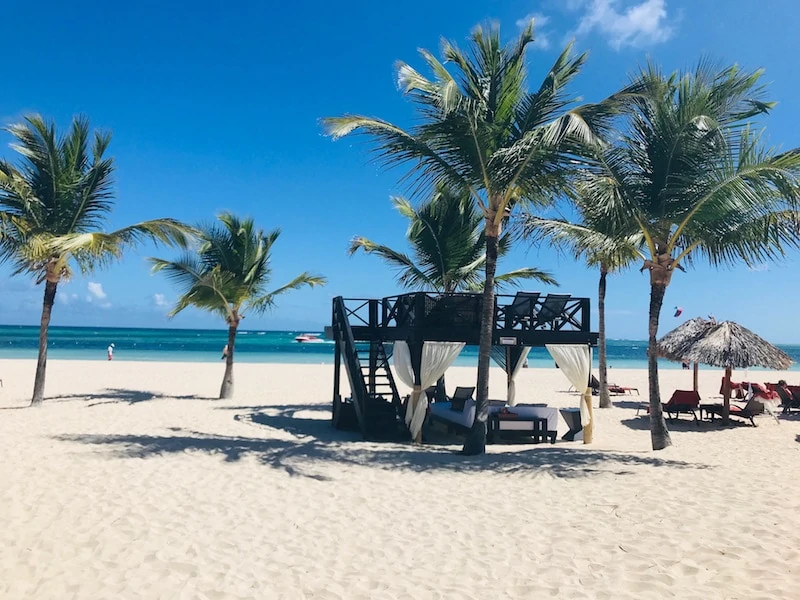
675	343
731	346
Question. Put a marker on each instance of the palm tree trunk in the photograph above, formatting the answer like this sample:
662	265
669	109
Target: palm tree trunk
476	439
659	433
226	391
605	399
41	363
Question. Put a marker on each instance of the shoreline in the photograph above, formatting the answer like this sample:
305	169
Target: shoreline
463	363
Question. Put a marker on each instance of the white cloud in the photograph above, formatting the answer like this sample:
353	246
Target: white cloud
624	23
96	291
541	38
159	300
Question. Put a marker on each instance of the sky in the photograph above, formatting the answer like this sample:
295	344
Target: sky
216	106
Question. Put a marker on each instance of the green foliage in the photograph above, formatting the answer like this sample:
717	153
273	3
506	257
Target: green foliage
589	238
481	130
55	203
229	273
448	246
691	176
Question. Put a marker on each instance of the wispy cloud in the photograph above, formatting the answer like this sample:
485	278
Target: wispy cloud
636	23
541	37
758	268
96	291
159	300
65	298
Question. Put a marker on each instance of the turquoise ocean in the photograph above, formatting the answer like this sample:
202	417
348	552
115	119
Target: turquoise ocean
204	345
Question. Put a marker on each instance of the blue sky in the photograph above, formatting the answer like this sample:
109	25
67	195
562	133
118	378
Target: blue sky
215	106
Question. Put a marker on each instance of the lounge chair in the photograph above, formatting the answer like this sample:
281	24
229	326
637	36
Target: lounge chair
750	410
736	388
682	401
551	309
613	388
788	400
521	310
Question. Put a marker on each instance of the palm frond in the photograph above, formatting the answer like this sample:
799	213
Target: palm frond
267	301
229	271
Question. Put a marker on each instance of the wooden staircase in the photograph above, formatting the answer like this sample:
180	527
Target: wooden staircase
374	400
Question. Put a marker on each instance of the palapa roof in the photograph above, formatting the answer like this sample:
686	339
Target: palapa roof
678	341
725	344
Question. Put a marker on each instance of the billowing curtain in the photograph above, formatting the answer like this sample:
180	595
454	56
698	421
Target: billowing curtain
575	362
436	359
517	355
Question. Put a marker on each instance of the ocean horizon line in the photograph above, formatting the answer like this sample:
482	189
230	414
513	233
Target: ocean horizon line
162	344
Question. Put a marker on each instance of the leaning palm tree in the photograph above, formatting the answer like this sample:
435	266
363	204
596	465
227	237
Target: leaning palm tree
448	247
228	275
691	177
482	131
54	205
591	239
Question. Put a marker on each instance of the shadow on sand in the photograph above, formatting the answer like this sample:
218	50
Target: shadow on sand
122	396
312	441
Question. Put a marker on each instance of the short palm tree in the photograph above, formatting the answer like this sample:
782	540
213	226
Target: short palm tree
688	174
481	130
228	275
590	239
448	246
55	203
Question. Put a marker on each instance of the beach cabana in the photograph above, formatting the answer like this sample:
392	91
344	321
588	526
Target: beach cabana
726	345
426	331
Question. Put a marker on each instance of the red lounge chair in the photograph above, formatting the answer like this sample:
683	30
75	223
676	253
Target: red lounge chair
620	389
682	401
736	388
788	399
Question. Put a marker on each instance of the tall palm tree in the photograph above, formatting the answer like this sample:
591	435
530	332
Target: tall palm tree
228	275
690	176
591	239
55	204
481	130
448	246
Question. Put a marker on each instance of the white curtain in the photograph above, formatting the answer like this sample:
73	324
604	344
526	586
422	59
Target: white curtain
575	361
512	374
436	359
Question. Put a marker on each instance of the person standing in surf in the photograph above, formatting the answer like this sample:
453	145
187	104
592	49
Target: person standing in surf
111	351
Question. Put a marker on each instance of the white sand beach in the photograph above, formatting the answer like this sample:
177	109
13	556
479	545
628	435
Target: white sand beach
132	481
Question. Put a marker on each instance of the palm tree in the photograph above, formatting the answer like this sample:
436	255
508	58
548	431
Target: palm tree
228	275
690	176
482	131
55	204
448	246
591	239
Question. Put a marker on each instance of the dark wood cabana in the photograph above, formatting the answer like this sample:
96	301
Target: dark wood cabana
361	328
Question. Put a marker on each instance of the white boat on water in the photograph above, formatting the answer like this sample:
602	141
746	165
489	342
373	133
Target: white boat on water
309	338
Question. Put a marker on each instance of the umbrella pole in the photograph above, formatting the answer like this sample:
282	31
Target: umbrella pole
694	377
726	395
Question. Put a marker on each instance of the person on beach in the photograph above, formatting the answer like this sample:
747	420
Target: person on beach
224	352
111	351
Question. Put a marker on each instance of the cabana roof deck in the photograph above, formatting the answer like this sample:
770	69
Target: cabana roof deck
523	319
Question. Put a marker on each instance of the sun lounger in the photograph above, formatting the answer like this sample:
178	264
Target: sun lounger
750	410
521	310
682	401
788	400
551	309
613	388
